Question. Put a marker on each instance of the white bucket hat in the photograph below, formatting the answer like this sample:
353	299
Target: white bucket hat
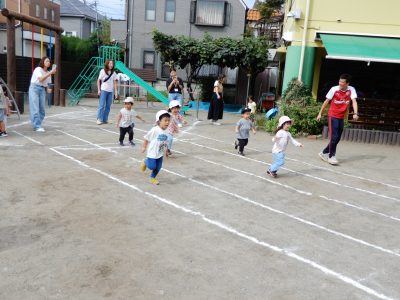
160	113
129	100
174	103
282	120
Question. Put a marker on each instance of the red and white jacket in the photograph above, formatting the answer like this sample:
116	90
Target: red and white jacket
340	101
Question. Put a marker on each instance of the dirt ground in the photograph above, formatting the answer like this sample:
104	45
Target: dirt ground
78	220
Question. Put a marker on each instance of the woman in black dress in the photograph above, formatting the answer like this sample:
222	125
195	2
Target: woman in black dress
216	109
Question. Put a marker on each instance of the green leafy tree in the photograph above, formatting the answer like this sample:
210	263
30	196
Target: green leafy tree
268	7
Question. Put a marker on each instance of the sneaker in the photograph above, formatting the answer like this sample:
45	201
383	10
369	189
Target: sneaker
216	123
323	156
4	133
154	181
332	160
169	152
1	134
272	174
236	145
98	122
142	166
107	122
131	143
241	153
121	143
40	129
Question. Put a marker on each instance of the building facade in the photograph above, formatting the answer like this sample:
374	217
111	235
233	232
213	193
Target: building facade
27	36
78	19
178	17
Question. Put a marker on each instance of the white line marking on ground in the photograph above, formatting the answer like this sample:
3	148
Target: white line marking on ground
233	231
302	162
283	185
337	233
300	173
301	220
28	138
95	145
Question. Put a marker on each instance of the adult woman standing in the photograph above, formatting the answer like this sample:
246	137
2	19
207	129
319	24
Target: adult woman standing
106	83
40	79
216	109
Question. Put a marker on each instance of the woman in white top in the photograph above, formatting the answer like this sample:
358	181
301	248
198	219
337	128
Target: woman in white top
40	79
216	109
106	84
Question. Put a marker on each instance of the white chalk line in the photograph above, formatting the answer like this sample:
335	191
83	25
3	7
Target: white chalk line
283	185
300	173
302	162
233	231
28	138
258	204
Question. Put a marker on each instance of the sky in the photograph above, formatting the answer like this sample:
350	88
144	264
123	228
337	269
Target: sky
115	8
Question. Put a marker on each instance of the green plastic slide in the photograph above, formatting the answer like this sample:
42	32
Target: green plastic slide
160	97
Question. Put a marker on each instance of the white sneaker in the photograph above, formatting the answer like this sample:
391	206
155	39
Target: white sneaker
332	160
40	129
98	122
216	123
324	156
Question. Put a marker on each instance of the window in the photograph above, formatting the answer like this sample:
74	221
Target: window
2	4
45	13
165	70
149	58
169	11
150	10
209	13
70	33
52	15
37	10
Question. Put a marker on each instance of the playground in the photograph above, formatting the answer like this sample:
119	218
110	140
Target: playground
80	221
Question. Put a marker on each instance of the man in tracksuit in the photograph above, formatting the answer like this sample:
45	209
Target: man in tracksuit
339	98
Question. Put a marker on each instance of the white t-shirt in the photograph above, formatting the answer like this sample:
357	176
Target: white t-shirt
281	140
107	86
157	138
39	72
127	117
252	106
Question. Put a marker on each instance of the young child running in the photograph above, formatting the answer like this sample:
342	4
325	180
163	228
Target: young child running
174	123
156	140
242	129
281	139
125	121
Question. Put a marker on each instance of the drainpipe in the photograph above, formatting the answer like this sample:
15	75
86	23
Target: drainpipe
303	41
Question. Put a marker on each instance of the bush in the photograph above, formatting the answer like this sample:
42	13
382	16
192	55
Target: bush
298	104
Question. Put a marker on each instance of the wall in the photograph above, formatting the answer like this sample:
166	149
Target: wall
356	16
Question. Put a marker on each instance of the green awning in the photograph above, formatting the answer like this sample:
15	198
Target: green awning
362	48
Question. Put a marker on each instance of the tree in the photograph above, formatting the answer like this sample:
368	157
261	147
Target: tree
249	53
268	7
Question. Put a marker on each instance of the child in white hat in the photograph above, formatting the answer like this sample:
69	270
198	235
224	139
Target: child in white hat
155	142
125	121
175	122
281	139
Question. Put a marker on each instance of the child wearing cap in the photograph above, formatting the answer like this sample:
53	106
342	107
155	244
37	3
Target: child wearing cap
253	106
125	121
281	139
242	129
175	122
155	141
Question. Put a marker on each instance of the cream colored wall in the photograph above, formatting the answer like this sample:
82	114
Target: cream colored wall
356	16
